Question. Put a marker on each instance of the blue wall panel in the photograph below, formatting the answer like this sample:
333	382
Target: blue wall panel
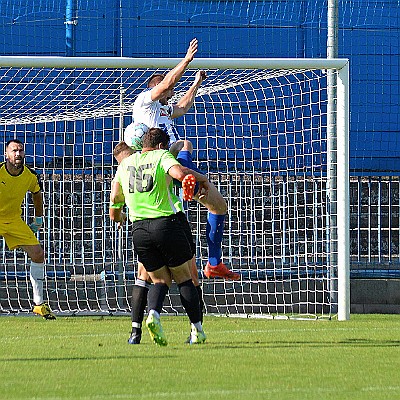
369	36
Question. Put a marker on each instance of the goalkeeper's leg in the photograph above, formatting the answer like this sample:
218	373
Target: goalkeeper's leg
36	273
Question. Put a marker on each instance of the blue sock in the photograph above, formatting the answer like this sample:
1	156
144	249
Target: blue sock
214	232
185	158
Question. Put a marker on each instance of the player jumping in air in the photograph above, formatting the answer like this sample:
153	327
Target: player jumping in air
151	109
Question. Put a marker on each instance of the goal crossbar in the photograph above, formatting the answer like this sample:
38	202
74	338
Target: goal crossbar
126	62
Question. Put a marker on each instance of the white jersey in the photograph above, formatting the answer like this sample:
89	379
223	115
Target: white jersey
146	114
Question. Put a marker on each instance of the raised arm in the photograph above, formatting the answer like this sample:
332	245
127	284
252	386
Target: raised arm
173	76
184	104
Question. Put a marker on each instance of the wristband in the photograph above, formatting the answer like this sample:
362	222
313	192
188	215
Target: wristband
116	205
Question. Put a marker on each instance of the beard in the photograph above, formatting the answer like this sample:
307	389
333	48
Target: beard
18	163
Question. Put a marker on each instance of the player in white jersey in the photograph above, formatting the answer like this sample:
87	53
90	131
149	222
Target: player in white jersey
148	113
152	110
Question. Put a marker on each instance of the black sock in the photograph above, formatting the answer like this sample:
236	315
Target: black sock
156	296
190	300
201	302
138	303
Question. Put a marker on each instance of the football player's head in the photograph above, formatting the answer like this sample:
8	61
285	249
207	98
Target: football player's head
121	151
15	153
156	138
154	80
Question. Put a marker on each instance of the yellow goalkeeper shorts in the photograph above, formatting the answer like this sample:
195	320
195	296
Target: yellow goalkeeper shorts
17	233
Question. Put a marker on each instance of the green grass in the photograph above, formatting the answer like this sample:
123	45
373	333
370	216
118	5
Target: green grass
89	358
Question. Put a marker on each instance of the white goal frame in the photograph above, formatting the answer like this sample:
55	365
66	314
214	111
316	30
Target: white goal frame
338	147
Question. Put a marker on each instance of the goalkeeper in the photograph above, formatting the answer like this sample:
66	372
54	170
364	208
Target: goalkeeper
16	179
151	109
161	233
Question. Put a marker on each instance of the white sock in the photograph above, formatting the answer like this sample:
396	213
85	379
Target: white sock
197	325
155	313
37	277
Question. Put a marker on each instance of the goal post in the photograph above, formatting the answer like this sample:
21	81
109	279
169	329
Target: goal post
343	192
265	132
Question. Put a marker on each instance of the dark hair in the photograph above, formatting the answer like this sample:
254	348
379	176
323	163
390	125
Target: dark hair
13	141
155	79
122	147
154	137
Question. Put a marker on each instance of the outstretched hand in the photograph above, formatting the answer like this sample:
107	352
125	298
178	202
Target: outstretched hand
200	77
192	50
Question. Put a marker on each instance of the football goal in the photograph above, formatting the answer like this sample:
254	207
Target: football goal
272	135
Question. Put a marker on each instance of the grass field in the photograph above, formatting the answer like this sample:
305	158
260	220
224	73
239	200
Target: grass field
89	358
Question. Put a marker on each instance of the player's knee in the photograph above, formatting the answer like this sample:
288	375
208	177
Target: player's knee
221	207
142	273
218	205
185	145
37	254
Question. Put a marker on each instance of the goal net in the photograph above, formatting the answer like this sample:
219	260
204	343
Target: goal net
272	135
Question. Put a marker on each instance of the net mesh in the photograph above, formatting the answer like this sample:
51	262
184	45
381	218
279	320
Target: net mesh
260	135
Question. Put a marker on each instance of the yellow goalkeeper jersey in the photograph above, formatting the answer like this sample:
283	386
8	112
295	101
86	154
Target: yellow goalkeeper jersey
13	190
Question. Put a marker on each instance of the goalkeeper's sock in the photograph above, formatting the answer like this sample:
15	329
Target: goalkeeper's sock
190	300
156	296
214	232
139	301
37	277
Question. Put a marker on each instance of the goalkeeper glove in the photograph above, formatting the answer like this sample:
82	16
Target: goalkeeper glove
36	224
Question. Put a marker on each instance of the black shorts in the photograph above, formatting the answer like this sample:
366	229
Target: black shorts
164	241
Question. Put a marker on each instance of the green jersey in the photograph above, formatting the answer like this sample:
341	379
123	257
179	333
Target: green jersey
146	185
